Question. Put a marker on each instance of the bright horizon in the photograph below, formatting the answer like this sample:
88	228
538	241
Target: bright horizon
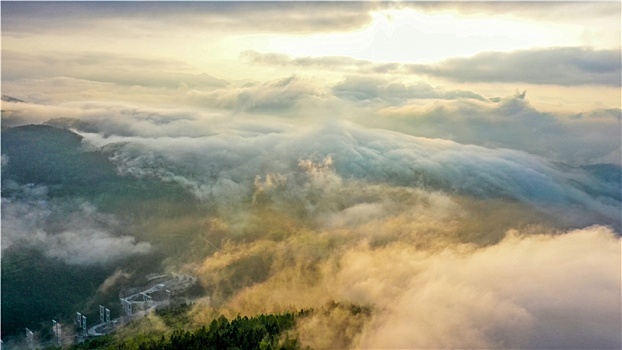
400	34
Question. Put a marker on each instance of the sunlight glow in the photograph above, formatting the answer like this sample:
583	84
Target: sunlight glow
410	36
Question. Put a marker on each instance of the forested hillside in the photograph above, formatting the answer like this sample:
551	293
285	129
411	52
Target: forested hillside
261	332
67	215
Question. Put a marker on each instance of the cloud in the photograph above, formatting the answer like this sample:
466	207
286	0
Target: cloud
365	88
106	68
556	66
529	290
112	280
327	62
27	18
269	97
24	19
82	98
222	166
552	11
114	118
512	123
547	10
599	21
525	292
568	66
533	288
200	148
417	108
72	231
405	214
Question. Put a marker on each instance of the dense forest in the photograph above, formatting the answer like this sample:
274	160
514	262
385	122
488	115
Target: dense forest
258	332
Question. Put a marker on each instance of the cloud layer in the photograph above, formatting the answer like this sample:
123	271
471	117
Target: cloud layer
73	232
396	225
555	66
223	166
288	17
419	109
403	261
406	203
525	292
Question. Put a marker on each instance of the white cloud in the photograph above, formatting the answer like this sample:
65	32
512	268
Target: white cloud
307	196
394	92
561	66
534	288
511	123
228	161
542	291
71	231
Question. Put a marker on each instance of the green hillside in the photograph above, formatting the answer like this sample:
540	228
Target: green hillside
36	288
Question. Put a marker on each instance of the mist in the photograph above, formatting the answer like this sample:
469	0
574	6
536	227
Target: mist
72	231
406	186
440	244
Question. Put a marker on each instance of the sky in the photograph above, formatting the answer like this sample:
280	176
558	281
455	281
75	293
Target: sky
452	166
565	54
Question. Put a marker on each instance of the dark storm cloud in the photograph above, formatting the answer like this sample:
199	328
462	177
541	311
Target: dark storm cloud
557	66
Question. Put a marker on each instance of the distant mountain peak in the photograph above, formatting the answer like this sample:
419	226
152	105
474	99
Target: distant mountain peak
7	98
71	123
